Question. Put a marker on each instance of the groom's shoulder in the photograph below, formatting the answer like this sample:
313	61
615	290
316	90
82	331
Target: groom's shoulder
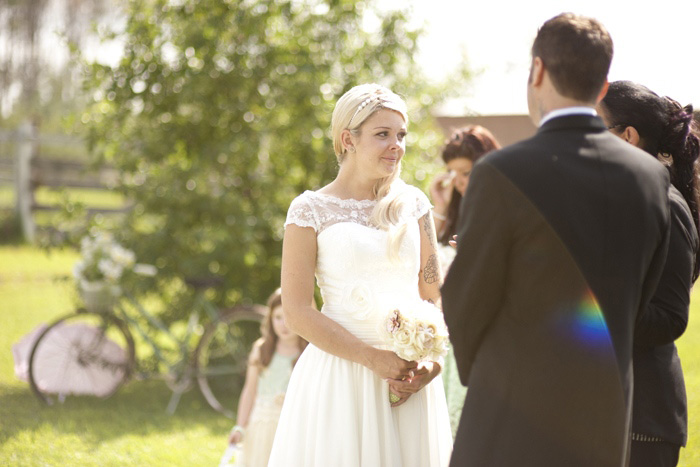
512	155
545	148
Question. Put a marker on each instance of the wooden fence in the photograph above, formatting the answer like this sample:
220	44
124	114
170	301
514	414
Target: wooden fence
28	169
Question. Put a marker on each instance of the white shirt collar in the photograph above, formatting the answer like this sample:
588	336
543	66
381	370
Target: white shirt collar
568	111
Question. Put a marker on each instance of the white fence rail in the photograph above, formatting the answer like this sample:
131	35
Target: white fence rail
28	169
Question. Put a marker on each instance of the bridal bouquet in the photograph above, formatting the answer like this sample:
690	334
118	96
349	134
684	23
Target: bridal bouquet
416	333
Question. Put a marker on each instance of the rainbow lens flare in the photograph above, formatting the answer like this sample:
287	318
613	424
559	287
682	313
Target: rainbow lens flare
589	324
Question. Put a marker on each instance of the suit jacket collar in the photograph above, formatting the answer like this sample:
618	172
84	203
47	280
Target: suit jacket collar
568	122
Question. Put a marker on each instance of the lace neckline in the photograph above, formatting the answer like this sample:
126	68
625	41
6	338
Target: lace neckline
349	202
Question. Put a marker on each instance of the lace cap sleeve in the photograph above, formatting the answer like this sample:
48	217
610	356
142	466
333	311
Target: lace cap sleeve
301	213
423	204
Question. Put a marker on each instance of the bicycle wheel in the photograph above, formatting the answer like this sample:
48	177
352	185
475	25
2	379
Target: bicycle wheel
83	353
222	354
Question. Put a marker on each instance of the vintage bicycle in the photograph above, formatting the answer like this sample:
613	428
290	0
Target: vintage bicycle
93	352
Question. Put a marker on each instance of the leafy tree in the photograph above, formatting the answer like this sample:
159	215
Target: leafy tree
36	80
219	113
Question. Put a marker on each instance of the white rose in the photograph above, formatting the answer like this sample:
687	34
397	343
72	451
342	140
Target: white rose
359	300
403	338
404	341
440	347
423	341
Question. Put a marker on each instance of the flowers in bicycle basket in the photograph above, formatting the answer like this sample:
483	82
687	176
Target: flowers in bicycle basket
106	261
416	332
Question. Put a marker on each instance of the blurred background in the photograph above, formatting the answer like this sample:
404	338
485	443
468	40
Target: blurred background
186	127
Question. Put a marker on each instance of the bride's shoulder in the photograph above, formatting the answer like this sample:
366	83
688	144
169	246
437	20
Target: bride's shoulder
413	197
301	211
303	198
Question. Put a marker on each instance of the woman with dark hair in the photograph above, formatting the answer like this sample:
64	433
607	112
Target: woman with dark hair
461	151
664	129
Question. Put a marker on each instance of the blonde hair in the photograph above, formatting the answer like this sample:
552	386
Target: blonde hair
351	111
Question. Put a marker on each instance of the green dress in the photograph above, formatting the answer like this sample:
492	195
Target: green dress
455	393
272	386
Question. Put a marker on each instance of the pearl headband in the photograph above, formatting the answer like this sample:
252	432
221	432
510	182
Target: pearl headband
364	104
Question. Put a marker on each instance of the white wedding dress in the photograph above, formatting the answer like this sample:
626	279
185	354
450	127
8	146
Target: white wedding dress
337	413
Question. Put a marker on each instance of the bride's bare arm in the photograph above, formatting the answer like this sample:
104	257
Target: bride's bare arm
430	277
429	282
298	267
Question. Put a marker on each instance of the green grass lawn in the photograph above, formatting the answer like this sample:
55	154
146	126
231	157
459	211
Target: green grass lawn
91	197
132	428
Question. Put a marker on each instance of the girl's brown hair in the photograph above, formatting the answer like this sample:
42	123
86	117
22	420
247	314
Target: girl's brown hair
268	342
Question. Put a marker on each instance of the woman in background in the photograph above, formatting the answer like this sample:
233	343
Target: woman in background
461	151
664	129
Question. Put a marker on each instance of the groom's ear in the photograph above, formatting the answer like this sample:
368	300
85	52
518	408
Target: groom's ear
536	72
603	92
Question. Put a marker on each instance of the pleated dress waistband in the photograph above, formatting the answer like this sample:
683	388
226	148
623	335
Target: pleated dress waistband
367	329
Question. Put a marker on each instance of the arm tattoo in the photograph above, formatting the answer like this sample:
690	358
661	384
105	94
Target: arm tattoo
431	273
428	227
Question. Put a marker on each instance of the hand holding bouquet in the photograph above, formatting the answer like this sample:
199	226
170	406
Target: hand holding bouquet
416	333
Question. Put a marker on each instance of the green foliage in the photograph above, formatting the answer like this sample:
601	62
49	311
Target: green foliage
219	114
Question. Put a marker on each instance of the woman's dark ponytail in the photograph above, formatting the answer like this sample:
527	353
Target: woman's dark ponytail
667	131
680	141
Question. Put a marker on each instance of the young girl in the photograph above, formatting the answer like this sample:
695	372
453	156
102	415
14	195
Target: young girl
269	367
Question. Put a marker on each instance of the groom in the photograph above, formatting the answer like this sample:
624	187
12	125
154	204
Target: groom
561	242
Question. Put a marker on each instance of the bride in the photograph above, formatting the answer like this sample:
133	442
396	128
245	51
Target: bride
369	240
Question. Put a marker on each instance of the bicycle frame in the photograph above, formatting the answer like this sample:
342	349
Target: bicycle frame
212	355
180	370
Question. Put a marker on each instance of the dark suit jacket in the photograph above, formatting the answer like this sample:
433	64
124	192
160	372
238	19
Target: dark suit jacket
561	242
660	408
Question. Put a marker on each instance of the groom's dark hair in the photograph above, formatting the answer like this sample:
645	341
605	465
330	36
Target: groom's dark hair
576	52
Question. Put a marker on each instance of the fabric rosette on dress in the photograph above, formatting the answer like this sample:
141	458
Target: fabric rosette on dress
359	299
